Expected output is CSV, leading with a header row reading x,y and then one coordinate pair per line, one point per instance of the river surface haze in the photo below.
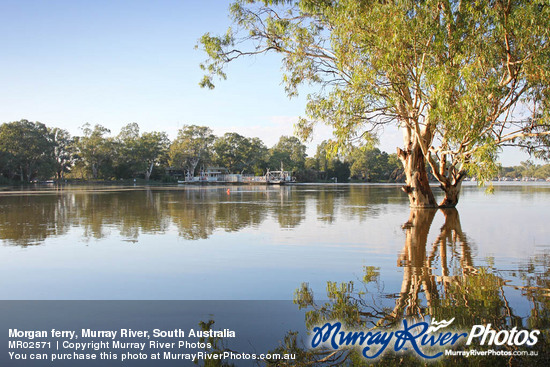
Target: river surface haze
x,y
265,242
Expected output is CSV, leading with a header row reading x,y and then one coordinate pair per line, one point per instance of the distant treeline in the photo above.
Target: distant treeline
x,y
526,170
31,151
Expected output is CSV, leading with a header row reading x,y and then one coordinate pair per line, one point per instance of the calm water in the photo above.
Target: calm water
x,y
359,246
262,243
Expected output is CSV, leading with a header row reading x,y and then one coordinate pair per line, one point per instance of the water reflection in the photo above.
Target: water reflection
x,y
268,239
419,263
28,218
196,213
441,282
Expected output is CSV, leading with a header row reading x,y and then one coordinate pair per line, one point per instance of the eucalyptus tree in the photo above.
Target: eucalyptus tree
x,y
94,148
26,150
289,152
322,156
229,152
142,152
258,156
238,153
460,79
153,151
126,145
192,146
331,166
63,150
373,165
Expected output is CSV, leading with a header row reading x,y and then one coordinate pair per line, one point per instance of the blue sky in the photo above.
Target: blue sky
x,y
68,62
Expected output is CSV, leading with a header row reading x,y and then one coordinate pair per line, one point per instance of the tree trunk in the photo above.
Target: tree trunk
x,y
149,171
452,192
191,169
417,184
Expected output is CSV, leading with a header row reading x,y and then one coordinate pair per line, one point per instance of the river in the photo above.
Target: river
x,y
488,261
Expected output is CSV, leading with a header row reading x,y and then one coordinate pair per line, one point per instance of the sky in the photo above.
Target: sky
x,y
112,62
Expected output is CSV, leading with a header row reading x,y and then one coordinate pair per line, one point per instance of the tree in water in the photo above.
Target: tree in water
x,y
460,80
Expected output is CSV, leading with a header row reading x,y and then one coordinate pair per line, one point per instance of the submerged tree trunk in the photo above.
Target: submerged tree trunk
x,y
452,193
450,177
451,187
417,183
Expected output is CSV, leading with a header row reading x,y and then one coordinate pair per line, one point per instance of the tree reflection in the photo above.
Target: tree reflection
x,y
131,212
440,282
29,220
536,289
200,212
240,211
326,206
288,210
193,214
196,212
415,272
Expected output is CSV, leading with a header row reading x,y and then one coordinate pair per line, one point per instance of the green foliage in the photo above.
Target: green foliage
x,y
30,151
448,73
240,154
214,347
139,154
132,154
64,148
373,165
527,170
26,151
96,151
366,164
192,147
330,166
289,153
